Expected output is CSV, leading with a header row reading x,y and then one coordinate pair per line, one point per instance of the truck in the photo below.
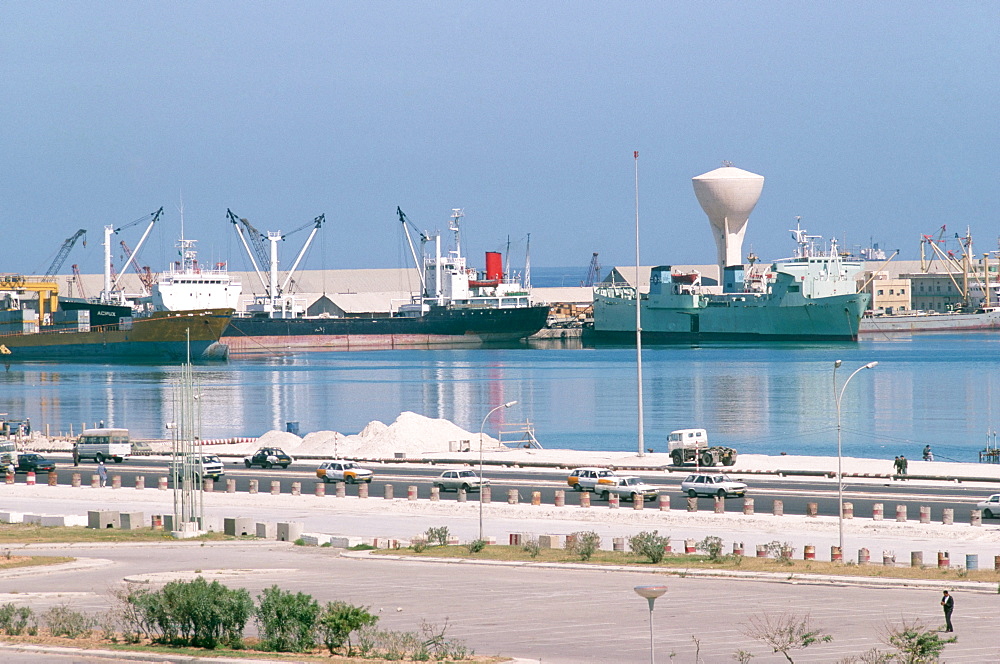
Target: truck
x,y
691,446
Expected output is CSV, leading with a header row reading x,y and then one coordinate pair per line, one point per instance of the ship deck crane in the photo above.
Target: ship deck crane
x,y
146,275
594,272
79,281
112,284
64,251
403,219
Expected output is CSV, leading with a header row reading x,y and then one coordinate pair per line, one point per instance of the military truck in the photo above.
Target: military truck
x,y
691,446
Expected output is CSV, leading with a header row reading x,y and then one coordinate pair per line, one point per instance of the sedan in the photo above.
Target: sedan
x,y
990,507
453,480
712,485
34,463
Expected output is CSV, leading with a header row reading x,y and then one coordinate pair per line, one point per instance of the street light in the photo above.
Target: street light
x,y
481,427
840,472
650,593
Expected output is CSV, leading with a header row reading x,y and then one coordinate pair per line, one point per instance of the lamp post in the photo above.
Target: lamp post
x,y
839,395
650,593
481,427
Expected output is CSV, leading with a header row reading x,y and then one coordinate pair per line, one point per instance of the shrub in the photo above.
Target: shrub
x,y
338,620
63,621
712,546
419,544
476,545
531,547
438,535
584,544
286,621
650,545
781,551
16,620
195,613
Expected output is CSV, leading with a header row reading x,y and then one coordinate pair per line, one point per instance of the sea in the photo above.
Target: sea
x,y
936,389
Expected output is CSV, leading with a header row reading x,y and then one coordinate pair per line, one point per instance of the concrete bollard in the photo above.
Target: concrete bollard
x,y
319,490
720,505
762,551
536,498
864,556
29,479
156,522
435,493
515,539
254,484
888,558
809,552
690,546
162,483
486,495
848,510
341,490
613,501
944,560
585,499
664,501
411,492
116,481
996,563
512,496
916,558
975,518
638,503
363,490
387,493
208,485
461,496
812,509
878,512
275,487
737,548
230,486
748,506
779,508
925,514
971,561
140,482
618,544
560,499
900,513
95,481
692,504
836,554
948,516
296,488
75,480
53,478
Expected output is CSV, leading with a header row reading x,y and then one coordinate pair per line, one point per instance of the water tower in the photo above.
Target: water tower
x,y
728,196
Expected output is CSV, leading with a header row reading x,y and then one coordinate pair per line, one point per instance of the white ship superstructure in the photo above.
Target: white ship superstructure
x,y
188,285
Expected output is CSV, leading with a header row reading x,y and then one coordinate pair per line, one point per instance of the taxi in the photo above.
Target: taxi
x,y
340,470
587,479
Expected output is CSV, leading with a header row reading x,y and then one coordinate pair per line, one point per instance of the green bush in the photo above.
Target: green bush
x,y
583,544
419,544
476,545
650,545
438,535
338,620
195,613
63,621
711,545
286,621
15,620
531,547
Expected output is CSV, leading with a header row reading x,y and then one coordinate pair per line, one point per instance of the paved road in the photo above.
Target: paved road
x,y
547,615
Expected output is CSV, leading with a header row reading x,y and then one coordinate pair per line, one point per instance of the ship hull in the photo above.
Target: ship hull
x,y
439,326
834,318
163,336
909,323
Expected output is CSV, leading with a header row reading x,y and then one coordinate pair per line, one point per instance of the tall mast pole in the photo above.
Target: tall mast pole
x,y
638,310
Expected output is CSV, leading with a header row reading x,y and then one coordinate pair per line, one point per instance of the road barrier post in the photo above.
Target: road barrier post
x,y
75,480
864,556
996,563
253,486
916,558
779,508
748,506
762,551
435,493
975,518
388,492
878,511
536,498
296,488
363,490
836,554
690,546
341,490
584,499
140,481
971,561
664,501
943,559
486,494
720,505
515,539
888,558
29,479
230,485
900,513
53,478
208,485
116,481
95,481
275,487
560,499
925,514
319,489
948,516
812,509
613,501
512,496
411,492
737,548
692,504
848,510
809,552
461,495
618,544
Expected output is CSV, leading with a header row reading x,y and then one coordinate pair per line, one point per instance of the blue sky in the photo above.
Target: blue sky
x,y
869,120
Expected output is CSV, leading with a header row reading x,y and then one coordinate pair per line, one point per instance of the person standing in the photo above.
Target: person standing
x,y
76,455
102,472
902,464
896,466
928,455
948,603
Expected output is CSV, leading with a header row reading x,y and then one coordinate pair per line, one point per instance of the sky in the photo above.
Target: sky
x,y
873,122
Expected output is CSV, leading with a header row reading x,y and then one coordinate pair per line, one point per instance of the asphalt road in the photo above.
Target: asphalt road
x,y
794,493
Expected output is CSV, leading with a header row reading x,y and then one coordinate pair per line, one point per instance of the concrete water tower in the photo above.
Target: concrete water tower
x,y
728,196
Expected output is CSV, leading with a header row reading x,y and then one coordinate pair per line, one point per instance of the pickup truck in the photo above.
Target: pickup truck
x,y
628,487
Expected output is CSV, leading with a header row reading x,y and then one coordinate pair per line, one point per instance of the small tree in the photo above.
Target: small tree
x,y
338,620
711,545
780,551
438,535
652,545
784,633
584,544
914,642
286,620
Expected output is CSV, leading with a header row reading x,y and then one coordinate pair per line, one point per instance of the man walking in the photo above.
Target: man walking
x,y
902,464
102,472
948,602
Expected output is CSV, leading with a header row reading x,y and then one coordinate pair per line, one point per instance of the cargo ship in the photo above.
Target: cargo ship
x,y
809,297
456,304
984,318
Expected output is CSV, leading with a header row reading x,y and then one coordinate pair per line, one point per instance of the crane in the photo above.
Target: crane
x,y
64,251
79,280
594,273
403,219
111,281
145,275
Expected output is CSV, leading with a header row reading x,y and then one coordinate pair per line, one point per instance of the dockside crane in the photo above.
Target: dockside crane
x,y
593,273
64,251
79,280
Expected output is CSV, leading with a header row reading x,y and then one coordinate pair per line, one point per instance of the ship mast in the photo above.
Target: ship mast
x,y
638,312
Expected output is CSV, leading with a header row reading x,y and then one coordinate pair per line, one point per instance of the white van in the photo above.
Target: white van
x,y
102,444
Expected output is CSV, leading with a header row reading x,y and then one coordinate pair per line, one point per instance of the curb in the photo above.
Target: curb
x,y
985,587
126,655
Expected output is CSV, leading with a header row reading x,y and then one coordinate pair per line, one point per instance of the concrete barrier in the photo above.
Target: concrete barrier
x,y
864,556
275,487
75,481
103,519
888,558
253,486
515,539
690,546
748,506
996,563
618,544
536,498
486,495
719,505
848,511
975,518
948,516
613,501
779,508
53,478
131,520
925,514
341,490
230,485
836,554
550,541
944,560
878,512
11,517
512,496
692,504
267,530
156,522
116,481
462,496
812,509
319,489
289,531
411,492
585,499
809,552
664,501
363,490
916,558
901,513
435,493
762,551
560,499
737,548
239,526
296,488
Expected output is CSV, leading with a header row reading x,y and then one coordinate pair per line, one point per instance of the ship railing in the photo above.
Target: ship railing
x,y
612,290
50,329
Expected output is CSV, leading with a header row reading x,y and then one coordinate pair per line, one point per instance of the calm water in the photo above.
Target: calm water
x,y
937,389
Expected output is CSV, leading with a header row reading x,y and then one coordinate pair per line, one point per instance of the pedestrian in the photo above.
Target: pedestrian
x,y
76,455
896,466
902,464
928,455
102,472
948,602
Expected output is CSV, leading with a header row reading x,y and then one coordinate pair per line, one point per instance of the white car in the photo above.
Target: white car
x,y
339,470
453,480
990,507
587,479
628,487
712,485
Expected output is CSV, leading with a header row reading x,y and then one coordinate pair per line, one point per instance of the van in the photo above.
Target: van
x,y
103,444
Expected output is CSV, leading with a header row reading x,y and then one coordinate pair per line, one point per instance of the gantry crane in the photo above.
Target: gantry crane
x,y
64,251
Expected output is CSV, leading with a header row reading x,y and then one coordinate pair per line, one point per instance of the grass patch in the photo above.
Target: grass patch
x,y
679,562
22,533
32,561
